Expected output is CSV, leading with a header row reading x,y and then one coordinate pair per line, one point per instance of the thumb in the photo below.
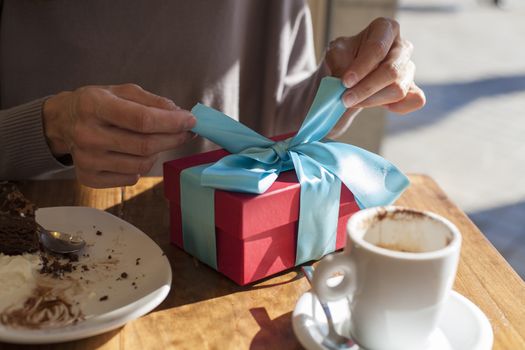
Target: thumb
x,y
339,55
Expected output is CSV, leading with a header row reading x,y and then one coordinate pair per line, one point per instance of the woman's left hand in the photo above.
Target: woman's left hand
x,y
375,66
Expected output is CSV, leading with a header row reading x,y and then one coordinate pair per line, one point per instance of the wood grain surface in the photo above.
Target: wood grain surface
x,y
205,310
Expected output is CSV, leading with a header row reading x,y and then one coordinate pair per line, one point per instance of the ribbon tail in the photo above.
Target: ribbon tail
x,y
326,110
318,209
373,180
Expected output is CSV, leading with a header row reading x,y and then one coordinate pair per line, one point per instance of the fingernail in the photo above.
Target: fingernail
x,y
190,123
350,80
349,99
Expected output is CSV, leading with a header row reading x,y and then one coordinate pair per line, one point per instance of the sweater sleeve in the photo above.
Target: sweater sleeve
x,y
24,152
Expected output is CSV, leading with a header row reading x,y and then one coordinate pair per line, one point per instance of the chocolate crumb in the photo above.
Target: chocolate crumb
x,y
124,275
109,257
105,297
71,257
137,261
54,267
85,268
98,233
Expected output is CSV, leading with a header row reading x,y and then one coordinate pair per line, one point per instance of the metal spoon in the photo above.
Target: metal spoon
x,y
60,242
333,341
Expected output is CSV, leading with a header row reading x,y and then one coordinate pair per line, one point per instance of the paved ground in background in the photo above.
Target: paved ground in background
x,y
470,137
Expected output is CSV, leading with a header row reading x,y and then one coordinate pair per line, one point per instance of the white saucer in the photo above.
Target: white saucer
x,y
462,326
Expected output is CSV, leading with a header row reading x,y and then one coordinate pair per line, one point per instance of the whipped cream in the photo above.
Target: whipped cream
x,y
17,278
30,300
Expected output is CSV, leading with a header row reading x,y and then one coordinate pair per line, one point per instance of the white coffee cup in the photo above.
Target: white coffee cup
x,y
398,268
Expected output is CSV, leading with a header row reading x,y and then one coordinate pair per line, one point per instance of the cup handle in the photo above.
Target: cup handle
x,y
327,267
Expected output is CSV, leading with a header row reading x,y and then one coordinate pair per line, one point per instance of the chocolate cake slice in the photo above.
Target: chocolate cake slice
x,y
18,235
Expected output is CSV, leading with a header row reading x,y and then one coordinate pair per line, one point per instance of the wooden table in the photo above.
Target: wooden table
x,y
205,310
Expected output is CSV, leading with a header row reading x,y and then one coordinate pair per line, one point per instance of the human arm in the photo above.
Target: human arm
x,y
112,134
24,152
376,67
378,56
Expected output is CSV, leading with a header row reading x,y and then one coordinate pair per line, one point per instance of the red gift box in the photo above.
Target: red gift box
x,y
256,235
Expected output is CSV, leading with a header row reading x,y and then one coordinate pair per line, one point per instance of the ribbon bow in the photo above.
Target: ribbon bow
x,y
256,161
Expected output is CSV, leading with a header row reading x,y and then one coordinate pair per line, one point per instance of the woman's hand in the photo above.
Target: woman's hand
x,y
113,133
376,68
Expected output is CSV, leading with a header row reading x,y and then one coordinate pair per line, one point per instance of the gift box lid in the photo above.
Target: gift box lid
x,y
246,215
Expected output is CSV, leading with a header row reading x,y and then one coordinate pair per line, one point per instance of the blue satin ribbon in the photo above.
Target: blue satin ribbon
x,y
256,161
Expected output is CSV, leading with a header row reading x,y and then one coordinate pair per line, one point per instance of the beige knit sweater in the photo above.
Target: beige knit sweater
x,y
252,59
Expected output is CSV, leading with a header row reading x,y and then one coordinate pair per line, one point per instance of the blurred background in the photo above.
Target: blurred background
x,y
470,137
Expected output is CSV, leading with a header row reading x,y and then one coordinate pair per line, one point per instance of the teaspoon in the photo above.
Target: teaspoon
x,y
60,242
333,340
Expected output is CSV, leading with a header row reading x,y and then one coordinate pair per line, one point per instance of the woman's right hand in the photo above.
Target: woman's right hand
x,y
113,133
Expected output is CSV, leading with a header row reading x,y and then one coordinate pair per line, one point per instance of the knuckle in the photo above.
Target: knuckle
x,y
144,121
378,48
398,91
132,87
392,70
84,100
394,24
161,101
146,147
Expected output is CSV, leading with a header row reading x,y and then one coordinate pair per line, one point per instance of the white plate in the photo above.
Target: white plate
x,y
462,326
125,301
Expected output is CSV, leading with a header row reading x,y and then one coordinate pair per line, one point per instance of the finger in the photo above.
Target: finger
x,y
381,35
414,100
394,92
113,162
105,179
142,119
341,51
135,93
391,69
109,138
